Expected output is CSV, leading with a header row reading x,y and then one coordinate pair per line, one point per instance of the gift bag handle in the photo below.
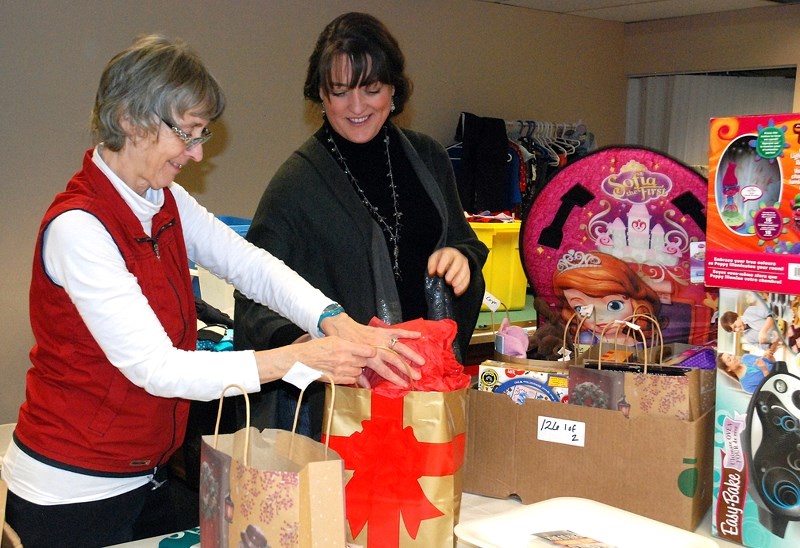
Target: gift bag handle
x,y
616,325
330,415
247,418
630,323
657,336
246,458
491,313
641,311
576,338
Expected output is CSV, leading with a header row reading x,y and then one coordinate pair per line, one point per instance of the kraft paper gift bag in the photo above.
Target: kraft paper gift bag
x,y
636,379
403,449
269,489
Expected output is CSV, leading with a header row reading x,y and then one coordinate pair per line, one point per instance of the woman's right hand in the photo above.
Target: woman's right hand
x,y
342,360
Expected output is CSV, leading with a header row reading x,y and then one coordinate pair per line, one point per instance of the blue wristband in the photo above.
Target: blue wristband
x,y
329,311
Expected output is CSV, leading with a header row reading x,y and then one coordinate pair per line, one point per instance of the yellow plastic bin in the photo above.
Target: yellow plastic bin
x,y
505,278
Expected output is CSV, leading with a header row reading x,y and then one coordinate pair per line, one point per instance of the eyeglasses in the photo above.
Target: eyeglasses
x,y
187,139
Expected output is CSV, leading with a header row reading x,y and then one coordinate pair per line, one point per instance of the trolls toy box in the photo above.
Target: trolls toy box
x,y
753,232
756,497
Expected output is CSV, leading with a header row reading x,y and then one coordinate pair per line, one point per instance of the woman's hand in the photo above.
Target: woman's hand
x,y
387,343
450,264
344,361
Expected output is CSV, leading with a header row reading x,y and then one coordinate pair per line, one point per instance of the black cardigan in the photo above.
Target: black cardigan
x,y
311,218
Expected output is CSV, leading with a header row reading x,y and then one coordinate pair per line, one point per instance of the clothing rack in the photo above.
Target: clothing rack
x,y
545,147
557,140
519,128
506,162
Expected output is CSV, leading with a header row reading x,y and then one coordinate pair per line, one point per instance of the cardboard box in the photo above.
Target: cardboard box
x,y
656,467
503,273
753,227
756,471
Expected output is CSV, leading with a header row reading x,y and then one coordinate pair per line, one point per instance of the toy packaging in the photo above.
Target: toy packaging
x,y
522,384
756,498
753,233
614,232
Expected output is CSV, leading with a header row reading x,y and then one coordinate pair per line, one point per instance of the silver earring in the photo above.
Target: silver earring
x,y
323,112
392,107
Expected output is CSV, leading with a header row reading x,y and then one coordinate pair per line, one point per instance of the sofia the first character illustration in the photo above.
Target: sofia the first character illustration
x,y
603,289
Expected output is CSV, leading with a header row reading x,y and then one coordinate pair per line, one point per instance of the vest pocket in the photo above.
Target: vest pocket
x,y
111,404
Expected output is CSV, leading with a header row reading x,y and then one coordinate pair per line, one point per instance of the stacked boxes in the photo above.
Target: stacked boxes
x,y
753,253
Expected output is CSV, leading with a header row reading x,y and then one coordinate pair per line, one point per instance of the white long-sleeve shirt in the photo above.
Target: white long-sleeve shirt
x,y
110,302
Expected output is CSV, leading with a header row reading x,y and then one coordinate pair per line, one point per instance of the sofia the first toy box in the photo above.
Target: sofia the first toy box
x,y
614,234
753,232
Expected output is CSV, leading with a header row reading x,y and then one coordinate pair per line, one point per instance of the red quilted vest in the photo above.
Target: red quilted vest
x,y
80,411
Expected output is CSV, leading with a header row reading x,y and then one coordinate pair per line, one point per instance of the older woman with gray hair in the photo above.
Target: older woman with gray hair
x,y
112,309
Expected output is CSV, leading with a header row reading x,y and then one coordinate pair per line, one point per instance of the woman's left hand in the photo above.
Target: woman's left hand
x,y
391,350
450,264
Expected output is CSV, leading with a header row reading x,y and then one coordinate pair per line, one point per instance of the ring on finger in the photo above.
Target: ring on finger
x,y
392,342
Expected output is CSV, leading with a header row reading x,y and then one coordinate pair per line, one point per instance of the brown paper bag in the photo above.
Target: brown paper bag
x,y
272,488
635,379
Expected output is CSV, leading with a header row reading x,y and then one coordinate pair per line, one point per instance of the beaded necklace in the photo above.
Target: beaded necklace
x,y
392,232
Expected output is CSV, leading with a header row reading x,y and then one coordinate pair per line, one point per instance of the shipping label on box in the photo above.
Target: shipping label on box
x,y
753,229
522,384
757,438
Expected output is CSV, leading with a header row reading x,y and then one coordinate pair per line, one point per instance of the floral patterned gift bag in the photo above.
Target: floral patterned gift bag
x,y
637,380
270,489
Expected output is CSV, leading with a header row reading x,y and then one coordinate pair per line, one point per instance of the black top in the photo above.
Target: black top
x,y
420,222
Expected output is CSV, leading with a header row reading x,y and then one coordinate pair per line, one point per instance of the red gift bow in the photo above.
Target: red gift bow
x,y
388,461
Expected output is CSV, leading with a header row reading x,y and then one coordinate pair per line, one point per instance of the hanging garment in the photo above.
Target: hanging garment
x,y
483,174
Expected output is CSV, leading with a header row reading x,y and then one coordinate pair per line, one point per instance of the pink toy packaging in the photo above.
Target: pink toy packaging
x,y
614,232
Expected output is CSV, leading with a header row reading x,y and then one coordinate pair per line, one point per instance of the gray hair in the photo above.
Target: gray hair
x,y
154,78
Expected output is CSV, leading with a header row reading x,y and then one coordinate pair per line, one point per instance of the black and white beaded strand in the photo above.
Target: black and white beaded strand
x,y
393,233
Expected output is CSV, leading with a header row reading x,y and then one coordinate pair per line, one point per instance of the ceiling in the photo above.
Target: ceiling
x,y
631,11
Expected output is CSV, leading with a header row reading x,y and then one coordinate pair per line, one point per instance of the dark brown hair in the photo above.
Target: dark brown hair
x,y
727,319
373,52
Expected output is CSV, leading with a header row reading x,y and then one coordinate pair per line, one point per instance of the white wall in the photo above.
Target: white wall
x,y
463,55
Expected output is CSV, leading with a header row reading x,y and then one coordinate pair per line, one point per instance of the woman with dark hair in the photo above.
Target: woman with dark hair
x,y
748,369
113,314
365,210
